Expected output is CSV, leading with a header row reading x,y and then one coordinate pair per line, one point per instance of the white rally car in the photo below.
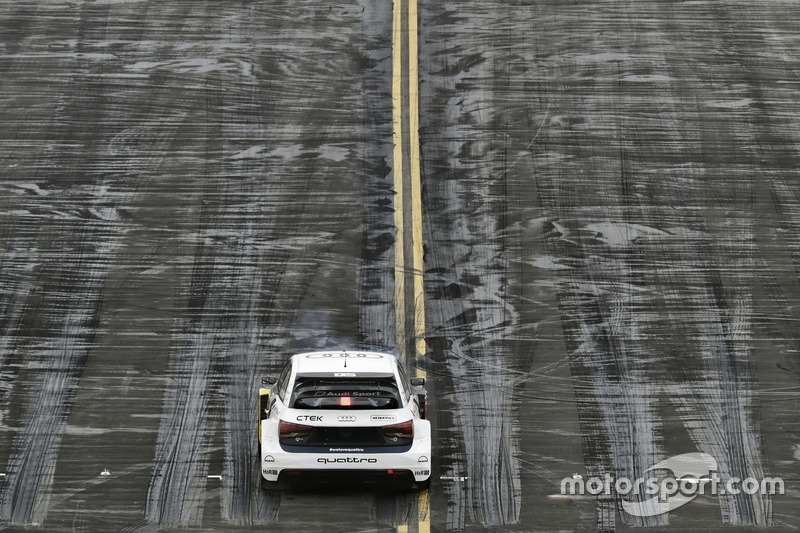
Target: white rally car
x,y
336,417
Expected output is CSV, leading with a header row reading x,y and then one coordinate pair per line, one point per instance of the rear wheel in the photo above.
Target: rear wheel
x,y
272,485
421,485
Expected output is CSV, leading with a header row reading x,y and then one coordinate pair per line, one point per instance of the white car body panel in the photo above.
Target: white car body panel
x,y
275,457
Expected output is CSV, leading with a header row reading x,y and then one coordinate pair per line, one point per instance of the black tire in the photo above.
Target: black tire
x,y
421,485
272,485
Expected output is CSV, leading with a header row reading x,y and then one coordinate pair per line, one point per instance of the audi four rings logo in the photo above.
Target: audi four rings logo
x,y
344,354
346,418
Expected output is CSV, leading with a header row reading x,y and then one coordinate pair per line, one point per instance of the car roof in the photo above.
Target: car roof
x,y
335,361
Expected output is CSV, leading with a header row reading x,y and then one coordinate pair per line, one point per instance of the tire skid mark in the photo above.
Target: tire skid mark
x,y
71,292
600,294
245,282
218,361
768,140
176,494
258,294
209,361
25,14
255,255
16,293
179,464
144,144
611,315
478,349
66,270
241,483
376,321
22,176
776,144
781,330
81,296
728,430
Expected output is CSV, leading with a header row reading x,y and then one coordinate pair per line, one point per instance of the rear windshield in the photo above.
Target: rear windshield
x,y
352,393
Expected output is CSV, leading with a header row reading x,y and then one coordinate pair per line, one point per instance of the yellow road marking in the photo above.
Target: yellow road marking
x,y
417,264
416,183
424,512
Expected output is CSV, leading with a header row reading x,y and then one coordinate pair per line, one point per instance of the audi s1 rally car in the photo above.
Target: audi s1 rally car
x,y
340,417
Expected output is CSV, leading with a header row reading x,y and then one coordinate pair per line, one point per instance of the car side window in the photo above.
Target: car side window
x,y
283,381
404,384
285,388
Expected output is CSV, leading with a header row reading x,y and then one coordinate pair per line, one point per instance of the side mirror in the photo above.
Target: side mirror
x,y
268,381
418,384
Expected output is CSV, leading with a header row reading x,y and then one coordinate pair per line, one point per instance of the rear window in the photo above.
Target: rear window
x,y
350,393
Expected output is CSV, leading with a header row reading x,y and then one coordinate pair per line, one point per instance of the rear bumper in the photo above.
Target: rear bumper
x,y
414,464
334,479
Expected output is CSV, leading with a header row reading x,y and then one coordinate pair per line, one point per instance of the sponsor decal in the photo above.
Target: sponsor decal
x,y
309,418
337,394
351,450
346,418
344,354
349,460
270,472
422,472
345,374
383,418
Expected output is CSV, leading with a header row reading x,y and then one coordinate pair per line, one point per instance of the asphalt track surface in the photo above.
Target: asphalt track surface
x,y
192,190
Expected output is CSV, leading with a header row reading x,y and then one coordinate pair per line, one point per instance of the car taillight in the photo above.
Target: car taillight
x,y
404,430
290,430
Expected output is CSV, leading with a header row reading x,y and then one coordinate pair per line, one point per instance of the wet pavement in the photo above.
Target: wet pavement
x,y
191,191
